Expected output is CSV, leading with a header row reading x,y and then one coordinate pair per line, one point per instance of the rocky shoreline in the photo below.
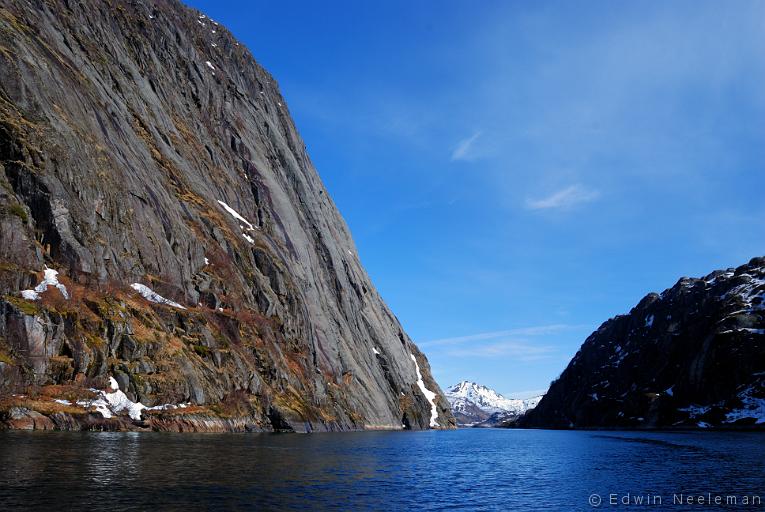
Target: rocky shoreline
x,y
22,418
195,419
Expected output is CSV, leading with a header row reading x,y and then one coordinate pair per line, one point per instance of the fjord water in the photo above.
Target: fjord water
x,y
463,469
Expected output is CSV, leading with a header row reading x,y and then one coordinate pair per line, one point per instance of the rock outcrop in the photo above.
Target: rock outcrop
x,y
693,356
162,224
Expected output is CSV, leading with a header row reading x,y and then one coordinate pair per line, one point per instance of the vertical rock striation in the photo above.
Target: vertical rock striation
x,y
146,157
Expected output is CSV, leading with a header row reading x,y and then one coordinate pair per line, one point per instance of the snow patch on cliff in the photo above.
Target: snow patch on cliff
x,y
753,407
168,407
109,404
236,215
431,396
152,296
50,279
696,410
752,292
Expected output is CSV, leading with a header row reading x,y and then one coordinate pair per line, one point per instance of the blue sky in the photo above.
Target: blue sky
x,y
516,173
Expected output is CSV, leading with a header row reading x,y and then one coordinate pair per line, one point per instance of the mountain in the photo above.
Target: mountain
x,y
692,356
169,257
476,405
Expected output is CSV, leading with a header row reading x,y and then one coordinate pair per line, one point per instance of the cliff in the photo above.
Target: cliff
x,y
162,225
692,356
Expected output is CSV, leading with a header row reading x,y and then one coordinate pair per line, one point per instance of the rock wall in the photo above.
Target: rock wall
x,y
140,142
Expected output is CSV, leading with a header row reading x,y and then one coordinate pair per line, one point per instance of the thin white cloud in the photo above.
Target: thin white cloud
x,y
516,349
539,330
530,393
462,151
564,198
512,343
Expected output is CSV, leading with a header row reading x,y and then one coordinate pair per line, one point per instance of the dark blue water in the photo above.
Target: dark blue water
x,y
457,470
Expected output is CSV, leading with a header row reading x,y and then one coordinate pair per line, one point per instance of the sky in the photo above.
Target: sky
x,y
516,173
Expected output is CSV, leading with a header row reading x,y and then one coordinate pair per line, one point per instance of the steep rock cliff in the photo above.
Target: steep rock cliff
x,y
149,160
692,356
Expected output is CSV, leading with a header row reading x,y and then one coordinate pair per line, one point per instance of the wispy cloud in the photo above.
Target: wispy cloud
x,y
516,349
539,330
564,198
522,344
463,149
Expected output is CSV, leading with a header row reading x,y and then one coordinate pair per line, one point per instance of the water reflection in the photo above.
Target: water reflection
x,y
469,469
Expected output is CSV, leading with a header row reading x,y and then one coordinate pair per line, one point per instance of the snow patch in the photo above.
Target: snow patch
x,y
753,407
209,65
649,321
619,355
747,329
749,292
109,404
431,396
696,410
50,279
374,349
168,407
152,296
236,215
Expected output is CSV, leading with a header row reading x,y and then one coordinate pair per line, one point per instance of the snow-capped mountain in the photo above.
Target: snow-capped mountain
x,y
474,404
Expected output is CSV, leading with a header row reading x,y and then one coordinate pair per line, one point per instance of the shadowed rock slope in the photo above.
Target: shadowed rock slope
x,y
693,356
141,144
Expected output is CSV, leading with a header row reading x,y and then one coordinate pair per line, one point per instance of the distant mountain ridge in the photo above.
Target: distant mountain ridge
x,y
477,405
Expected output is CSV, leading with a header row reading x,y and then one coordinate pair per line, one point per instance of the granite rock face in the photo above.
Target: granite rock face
x,y
692,356
140,143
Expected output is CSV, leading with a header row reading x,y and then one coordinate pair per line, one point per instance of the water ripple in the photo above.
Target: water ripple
x,y
459,470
